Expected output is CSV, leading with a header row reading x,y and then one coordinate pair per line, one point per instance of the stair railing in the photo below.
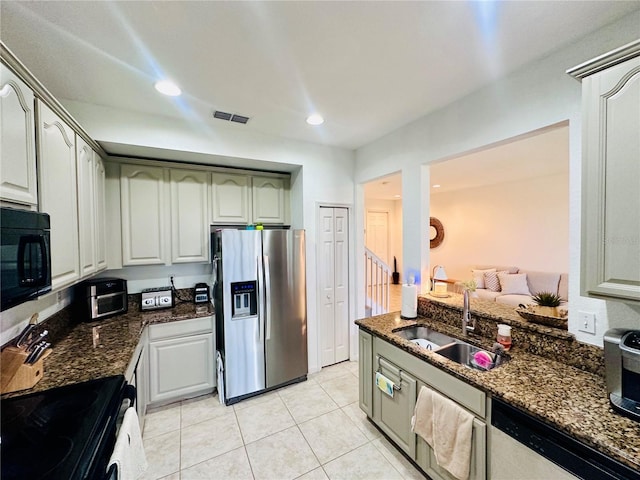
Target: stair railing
x,y
377,277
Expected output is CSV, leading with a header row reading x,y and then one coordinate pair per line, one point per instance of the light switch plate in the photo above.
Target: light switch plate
x,y
587,322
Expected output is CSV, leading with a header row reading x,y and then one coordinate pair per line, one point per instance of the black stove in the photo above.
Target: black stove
x,y
62,433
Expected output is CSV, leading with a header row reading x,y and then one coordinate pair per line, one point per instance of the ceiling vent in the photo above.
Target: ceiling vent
x,y
230,117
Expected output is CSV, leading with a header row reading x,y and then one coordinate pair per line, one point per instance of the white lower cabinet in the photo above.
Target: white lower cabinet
x,y
137,374
365,392
181,359
393,414
426,459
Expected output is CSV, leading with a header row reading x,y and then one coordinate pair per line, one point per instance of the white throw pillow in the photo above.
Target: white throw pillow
x,y
491,281
515,284
478,276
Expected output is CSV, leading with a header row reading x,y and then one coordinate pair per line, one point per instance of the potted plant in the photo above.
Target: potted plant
x,y
547,303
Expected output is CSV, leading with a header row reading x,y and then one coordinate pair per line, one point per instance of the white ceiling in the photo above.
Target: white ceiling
x,y
539,154
368,67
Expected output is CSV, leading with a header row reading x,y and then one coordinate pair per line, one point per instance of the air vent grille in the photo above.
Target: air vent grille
x,y
230,117
222,115
239,119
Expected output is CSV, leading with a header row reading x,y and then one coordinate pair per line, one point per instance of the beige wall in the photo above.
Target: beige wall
x,y
524,223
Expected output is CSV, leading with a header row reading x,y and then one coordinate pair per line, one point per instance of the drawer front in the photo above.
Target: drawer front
x,y
180,328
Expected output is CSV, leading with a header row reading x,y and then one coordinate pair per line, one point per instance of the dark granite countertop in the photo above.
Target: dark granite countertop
x,y
571,399
75,358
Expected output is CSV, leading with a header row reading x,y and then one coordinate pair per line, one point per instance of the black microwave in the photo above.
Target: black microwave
x,y
25,256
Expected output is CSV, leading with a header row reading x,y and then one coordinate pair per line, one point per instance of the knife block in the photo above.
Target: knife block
x,y
17,375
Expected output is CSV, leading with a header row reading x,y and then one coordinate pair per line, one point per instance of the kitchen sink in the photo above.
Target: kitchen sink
x,y
465,354
424,337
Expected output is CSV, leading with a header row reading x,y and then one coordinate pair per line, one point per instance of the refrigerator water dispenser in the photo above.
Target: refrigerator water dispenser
x,y
244,300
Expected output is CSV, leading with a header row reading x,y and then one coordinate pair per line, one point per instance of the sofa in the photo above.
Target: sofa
x,y
511,286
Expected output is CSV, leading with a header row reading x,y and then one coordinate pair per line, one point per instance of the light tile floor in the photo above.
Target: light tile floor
x,y
310,430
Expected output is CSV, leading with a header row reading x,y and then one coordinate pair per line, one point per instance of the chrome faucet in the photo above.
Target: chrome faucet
x,y
466,314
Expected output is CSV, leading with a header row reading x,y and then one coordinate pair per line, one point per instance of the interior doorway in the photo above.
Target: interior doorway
x,y
332,253
377,233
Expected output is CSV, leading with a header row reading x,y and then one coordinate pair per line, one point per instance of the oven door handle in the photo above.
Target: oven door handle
x,y
129,393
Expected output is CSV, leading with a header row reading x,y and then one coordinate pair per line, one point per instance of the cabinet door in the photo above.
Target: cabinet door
x,y
426,459
142,385
180,367
365,373
230,199
268,200
100,213
18,140
189,219
393,414
143,197
611,175
86,207
57,176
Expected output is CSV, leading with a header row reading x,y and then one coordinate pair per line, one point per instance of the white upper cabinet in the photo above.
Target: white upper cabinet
x,y
91,209
57,184
230,199
101,213
269,206
18,143
189,216
145,225
86,207
611,174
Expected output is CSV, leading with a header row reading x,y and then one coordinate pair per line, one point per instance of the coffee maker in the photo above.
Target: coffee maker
x,y
622,369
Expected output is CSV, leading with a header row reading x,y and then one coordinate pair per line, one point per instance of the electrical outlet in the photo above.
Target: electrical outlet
x,y
59,296
587,322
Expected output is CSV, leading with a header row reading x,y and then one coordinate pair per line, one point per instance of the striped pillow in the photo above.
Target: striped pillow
x,y
491,281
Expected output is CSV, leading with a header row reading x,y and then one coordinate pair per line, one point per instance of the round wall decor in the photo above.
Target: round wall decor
x,y
437,232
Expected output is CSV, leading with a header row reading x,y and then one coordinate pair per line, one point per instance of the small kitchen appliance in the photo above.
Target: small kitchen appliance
x,y
201,293
156,298
622,368
26,256
101,298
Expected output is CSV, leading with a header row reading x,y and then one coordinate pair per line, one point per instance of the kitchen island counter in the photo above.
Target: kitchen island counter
x,y
572,400
86,351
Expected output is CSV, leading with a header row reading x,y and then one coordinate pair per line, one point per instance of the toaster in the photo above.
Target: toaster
x,y
622,370
156,298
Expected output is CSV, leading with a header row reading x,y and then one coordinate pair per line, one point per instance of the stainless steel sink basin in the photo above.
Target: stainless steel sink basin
x,y
425,337
463,353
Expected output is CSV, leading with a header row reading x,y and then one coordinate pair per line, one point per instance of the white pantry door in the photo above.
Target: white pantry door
x,y
333,285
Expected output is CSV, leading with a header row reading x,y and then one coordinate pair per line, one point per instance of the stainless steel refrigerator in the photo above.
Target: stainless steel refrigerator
x,y
260,304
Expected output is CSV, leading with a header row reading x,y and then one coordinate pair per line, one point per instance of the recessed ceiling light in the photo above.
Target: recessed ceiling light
x,y
167,87
437,185
315,119
396,196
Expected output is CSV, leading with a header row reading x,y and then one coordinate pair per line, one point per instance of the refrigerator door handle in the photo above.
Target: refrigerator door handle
x,y
267,291
261,298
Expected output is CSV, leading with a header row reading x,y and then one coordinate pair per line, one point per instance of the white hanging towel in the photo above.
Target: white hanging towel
x,y
447,428
128,453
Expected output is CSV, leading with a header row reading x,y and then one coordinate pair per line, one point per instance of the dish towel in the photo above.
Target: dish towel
x,y
128,453
447,428
384,384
